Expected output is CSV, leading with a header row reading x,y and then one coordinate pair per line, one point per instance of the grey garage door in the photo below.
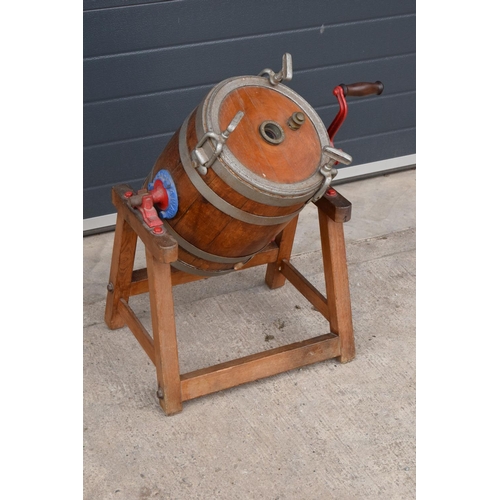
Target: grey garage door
x,y
147,64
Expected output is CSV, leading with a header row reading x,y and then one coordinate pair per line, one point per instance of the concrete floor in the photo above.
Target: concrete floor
x,y
327,431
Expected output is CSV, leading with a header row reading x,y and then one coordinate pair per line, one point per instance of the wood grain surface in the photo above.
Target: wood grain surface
x,y
294,160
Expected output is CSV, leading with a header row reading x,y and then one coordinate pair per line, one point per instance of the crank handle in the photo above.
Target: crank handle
x,y
362,89
341,91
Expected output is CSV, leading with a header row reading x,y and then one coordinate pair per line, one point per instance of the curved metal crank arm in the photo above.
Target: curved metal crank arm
x,y
341,91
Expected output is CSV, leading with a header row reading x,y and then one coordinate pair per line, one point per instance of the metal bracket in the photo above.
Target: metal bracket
x,y
333,157
145,203
199,158
284,75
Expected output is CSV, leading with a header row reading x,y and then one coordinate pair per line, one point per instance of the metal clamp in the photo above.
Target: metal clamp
x,y
199,157
328,170
284,75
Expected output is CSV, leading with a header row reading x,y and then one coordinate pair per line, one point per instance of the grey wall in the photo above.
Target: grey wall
x,y
147,64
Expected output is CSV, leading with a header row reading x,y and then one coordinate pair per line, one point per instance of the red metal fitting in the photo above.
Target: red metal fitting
x,y
159,201
145,202
148,211
160,195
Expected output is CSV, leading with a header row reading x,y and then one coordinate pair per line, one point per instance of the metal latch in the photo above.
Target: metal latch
x,y
199,157
284,75
332,156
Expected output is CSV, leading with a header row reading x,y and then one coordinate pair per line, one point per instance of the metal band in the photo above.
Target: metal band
x,y
182,266
197,252
229,169
214,198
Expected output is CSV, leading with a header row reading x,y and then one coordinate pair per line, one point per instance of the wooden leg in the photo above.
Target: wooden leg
x,y
120,276
284,240
161,251
164,334
337,284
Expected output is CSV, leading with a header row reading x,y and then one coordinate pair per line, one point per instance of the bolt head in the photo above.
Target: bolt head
x,y
299,118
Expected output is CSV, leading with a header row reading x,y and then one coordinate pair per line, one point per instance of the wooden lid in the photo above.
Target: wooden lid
x,y
264,151
274,152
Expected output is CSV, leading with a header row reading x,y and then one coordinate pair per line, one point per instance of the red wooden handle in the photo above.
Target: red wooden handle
x,y
362,88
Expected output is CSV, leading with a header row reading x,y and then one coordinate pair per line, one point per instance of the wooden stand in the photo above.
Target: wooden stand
x,y
159,277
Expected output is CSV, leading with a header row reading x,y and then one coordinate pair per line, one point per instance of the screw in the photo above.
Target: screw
x,y
110,287
158,230
159,393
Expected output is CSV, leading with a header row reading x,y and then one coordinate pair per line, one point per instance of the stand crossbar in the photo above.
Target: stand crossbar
x,y
158,278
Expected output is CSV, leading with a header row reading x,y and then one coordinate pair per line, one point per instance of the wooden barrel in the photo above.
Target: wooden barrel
x,y
266,172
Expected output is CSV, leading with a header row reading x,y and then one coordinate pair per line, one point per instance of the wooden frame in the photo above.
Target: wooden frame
x,y
159,277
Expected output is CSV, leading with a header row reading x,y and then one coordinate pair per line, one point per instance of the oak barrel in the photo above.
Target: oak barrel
x,y
258,178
